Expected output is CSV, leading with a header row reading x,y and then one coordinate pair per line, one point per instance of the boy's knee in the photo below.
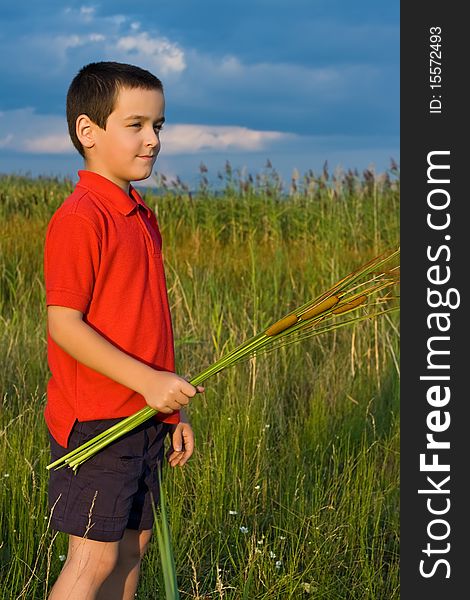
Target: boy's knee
x,y
106,565
95,560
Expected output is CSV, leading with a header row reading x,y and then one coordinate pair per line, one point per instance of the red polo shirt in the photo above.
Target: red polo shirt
x,y
102,256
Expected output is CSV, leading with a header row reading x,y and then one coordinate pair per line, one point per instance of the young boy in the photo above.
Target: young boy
x,y
110,341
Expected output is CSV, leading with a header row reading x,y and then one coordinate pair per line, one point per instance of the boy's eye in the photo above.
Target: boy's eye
x,y
158,127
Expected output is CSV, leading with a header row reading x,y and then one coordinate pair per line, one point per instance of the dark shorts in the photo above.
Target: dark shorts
x,y
112,491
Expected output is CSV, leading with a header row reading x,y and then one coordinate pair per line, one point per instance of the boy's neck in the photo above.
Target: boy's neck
x,y
124,185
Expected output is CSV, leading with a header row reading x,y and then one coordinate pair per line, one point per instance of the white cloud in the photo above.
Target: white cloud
x,y
63,42
164,56
96,37
49,144
230,65
23,130
113,38
117,19
181,139
87,12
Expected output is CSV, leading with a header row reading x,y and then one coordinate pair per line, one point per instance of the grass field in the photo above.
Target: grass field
x,y
293,491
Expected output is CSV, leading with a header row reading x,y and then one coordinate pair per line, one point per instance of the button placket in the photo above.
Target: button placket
x,y
146,227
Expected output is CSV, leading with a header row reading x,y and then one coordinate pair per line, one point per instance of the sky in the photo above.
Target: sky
x,y
296,82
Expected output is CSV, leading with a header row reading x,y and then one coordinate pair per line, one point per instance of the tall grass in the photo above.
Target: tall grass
x,y
293,488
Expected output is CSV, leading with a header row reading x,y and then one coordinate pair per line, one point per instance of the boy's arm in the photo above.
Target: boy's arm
x,y
162,390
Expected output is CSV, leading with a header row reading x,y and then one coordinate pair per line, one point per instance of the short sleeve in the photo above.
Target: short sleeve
x,y
71,261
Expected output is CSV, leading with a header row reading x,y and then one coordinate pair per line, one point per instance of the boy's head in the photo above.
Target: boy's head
x,y
95,88
115,112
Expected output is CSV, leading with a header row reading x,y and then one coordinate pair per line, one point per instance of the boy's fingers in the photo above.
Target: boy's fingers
x,y
175,460
177,441
174,404
182,401
179,458
193,389
176,457
184,460
171,454
188,389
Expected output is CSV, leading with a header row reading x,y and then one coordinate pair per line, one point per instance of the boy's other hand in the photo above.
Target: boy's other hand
x,y
166,392
182,444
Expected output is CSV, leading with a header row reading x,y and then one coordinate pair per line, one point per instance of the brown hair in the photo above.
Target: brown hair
x,y
94,90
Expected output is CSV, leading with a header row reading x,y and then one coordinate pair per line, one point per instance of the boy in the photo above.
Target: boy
x,y
110,341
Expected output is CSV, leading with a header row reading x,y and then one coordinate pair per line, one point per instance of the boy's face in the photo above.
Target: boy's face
x,y
127,149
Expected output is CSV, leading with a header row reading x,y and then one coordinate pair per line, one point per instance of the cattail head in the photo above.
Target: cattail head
x,y
319,308
281,325
350,305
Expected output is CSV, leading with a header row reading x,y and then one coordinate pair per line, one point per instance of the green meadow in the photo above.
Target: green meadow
x,y
293,490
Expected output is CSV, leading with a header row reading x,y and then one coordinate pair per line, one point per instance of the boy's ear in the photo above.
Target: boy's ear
x,y
84,128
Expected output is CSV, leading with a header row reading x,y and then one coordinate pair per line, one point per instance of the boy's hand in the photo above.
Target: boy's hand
x,y
166,392
182,444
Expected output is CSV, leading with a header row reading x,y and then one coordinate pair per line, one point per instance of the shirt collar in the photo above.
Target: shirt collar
x,y
105,188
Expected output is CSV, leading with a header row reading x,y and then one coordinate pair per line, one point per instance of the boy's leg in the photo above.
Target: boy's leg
x,y
109,497
88,565
122,582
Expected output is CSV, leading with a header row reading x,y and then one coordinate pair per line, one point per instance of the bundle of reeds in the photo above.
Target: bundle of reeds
x,y
363,294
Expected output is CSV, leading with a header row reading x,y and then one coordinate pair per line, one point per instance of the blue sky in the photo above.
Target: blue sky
x,y
297,82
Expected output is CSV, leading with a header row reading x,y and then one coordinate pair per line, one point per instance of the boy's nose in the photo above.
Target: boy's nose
x,y
153,139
